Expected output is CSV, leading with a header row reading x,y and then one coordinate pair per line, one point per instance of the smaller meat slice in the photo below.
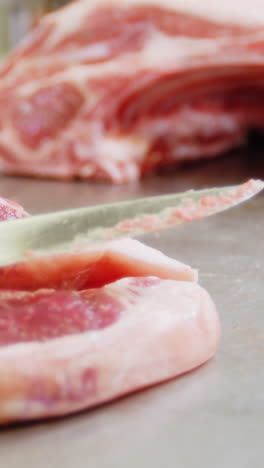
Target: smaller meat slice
x,y
123,337
93,267
11,210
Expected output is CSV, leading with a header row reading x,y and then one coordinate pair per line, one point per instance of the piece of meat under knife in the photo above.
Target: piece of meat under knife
x,y
143,320
92,266
63,351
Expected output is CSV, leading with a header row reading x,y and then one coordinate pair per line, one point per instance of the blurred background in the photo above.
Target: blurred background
x,y
16,16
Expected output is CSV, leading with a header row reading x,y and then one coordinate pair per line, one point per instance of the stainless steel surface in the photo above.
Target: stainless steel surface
x,y
42,196
61,229
210,418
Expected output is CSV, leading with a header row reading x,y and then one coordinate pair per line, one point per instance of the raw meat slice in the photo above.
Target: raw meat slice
x,y
92,267
64,347
112,89
11,210
157,329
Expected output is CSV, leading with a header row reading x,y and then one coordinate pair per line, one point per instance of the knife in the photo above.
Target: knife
x,y
64,230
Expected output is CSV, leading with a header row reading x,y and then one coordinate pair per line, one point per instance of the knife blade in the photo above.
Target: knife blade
x,y
60,231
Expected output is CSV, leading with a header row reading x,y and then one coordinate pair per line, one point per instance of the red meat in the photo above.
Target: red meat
x,y
112,89
11,210
64,351
117,317
83,327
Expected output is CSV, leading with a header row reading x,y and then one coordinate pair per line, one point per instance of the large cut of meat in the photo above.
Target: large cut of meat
x,y
86,326
112,89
